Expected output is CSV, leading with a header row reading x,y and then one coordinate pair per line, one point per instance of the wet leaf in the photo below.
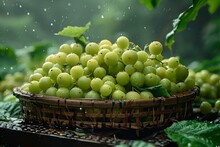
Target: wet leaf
x,y
9,109
194,133
183,19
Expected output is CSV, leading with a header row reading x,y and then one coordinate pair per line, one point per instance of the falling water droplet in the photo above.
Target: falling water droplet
x,y
45,9
129,8
69,4
33,30
20,6
99,7
102,16
11,68
145,28
28,13
51,24
7,13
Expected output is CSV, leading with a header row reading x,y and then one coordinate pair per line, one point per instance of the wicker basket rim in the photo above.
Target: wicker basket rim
x,y
27,96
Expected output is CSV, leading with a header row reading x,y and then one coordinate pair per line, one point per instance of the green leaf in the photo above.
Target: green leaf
x,y
157,91
74,31
78,133
150,4
9,109
194,134
136,143
183,19
213,5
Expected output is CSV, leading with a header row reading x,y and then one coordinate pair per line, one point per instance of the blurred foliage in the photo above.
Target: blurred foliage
x,y
212,65
8,61
25,59
22,24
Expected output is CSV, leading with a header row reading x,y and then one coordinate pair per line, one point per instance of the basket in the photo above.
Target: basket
x,y
113,114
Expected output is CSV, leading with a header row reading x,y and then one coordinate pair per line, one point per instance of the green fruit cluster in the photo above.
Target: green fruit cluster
x,y
209,84
10,81
107,70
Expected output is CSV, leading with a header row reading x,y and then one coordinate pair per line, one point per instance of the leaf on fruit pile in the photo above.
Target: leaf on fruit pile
x,y
183,19
76,32
194,133
157,91
150,4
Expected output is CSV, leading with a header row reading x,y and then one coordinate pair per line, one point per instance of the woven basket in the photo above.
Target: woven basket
x,y
114,114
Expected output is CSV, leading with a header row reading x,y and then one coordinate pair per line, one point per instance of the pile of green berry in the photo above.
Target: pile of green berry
x,y
10,81
209,84
107,70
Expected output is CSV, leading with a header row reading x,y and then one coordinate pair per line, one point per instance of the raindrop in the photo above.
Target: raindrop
x,y
45,9
11,68
20,6
28,13
129,8
7,13
69,4
99,7
51,24
33,30
3,3
102,16
25,28
145,28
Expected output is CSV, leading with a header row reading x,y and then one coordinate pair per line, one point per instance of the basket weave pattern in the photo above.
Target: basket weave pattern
x,y
120,114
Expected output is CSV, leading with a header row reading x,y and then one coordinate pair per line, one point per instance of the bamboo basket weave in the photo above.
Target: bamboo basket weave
x,y
114,114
